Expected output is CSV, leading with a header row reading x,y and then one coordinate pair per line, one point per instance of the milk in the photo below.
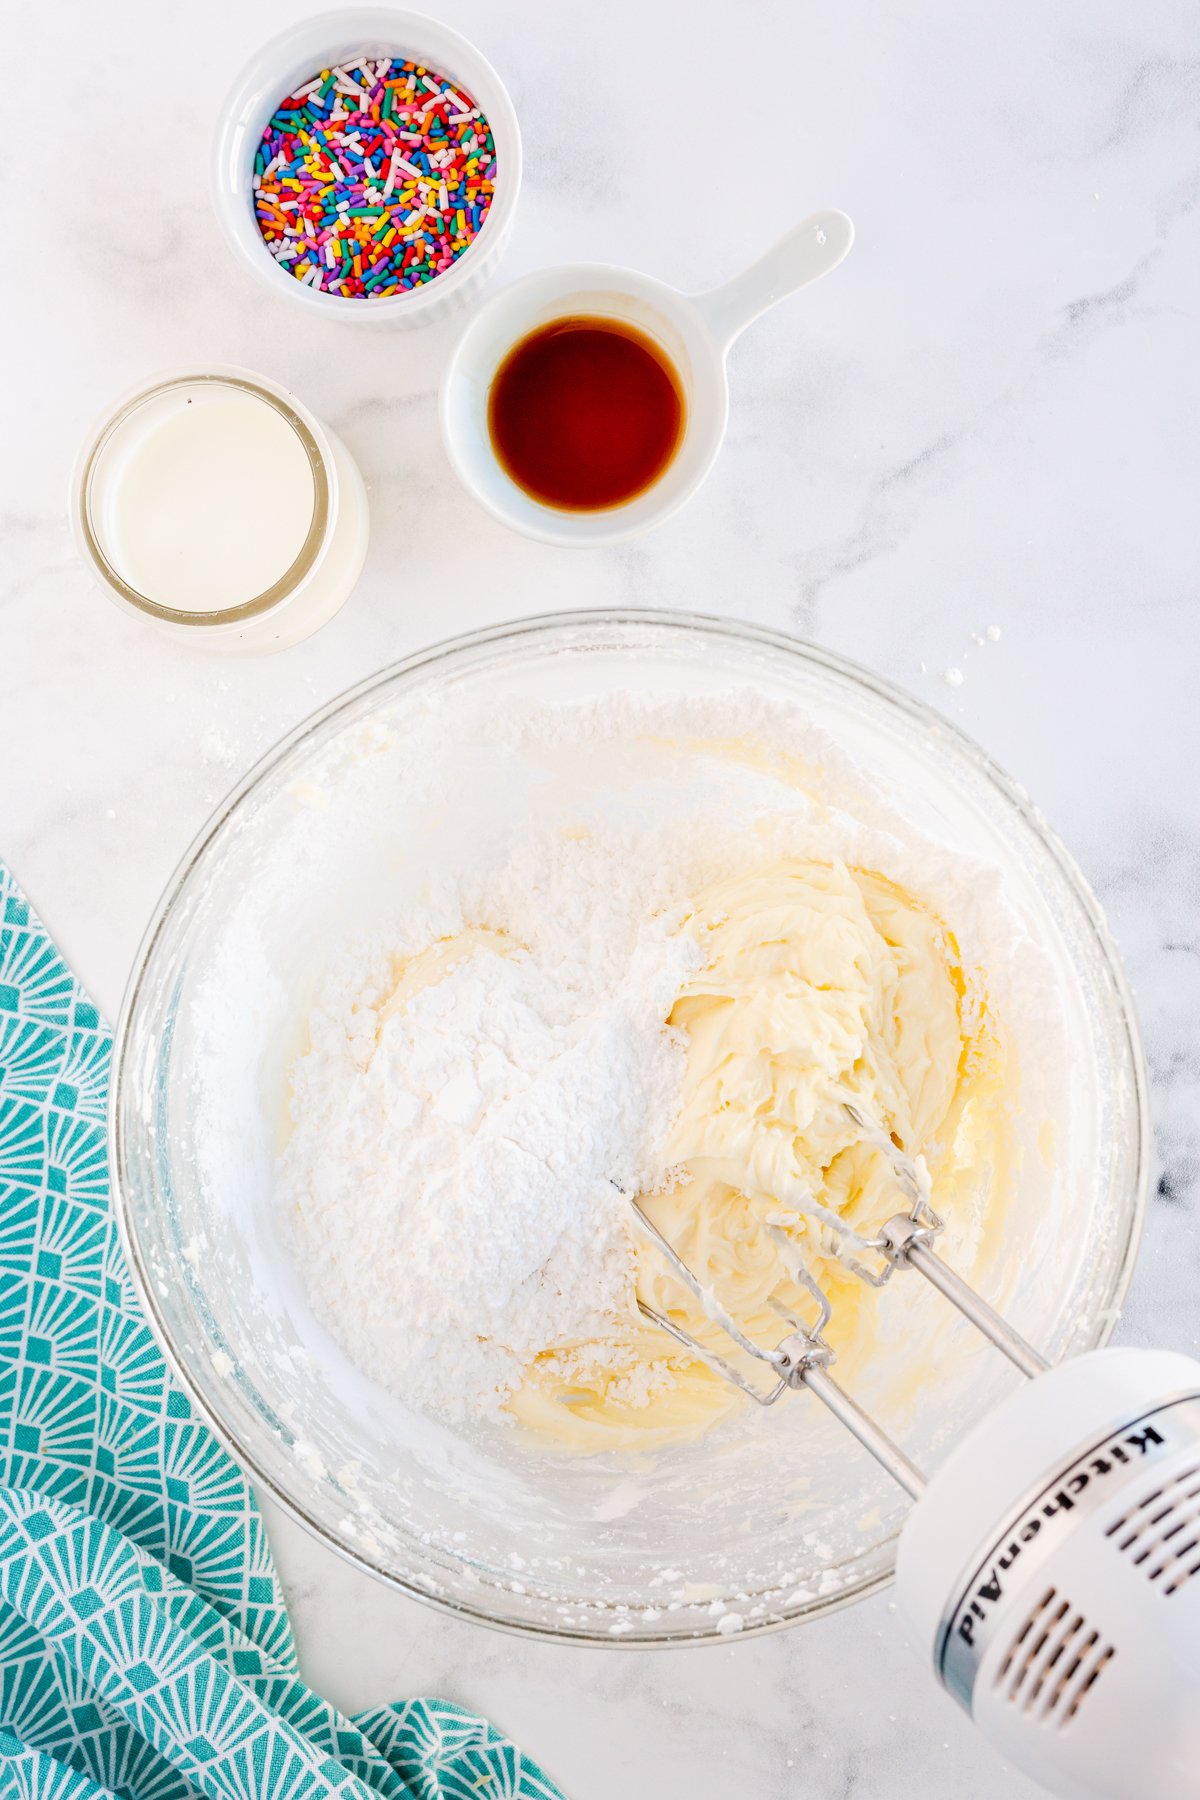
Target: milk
x,y
215,491
207,499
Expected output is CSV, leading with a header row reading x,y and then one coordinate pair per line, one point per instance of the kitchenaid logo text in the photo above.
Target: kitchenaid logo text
x,y
1127,1447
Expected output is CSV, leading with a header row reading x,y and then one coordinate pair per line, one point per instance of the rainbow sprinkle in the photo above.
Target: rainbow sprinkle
x,y
373,178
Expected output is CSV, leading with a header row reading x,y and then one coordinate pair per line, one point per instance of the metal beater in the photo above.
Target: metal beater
x,y
802,1357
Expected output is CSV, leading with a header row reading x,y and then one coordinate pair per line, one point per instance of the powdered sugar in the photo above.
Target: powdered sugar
x,y
470,1113
488,1070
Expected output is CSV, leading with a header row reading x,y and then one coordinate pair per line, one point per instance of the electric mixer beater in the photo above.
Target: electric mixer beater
x,y
1048,1564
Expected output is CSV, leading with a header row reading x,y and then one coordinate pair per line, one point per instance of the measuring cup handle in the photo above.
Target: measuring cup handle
x,y
808,251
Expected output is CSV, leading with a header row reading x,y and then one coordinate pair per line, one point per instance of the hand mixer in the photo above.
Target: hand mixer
x,y
1052,1564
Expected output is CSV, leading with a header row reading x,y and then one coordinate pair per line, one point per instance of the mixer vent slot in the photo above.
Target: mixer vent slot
x,y
1053,1661
1161,1534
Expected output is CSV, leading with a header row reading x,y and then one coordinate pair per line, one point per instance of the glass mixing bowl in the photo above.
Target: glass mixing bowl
x,y
771,1518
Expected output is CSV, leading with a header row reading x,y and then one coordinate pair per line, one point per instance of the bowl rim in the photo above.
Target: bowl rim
x,y
227,159
550,624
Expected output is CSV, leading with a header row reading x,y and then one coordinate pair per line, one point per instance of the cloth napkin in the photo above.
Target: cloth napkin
x,y
145,1650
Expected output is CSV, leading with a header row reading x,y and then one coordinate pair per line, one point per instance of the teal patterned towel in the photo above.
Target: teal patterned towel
x,y
145,1651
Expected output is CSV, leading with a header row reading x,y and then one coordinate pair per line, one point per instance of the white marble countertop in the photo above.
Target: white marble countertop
x,y
987,417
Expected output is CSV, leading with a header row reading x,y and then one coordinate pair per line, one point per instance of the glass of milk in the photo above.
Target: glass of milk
x,y
216,505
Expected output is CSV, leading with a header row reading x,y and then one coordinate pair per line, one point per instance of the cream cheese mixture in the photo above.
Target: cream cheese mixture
x,y
670,991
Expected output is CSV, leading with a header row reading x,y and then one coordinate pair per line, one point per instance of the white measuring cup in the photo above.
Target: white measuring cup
x,y
694,330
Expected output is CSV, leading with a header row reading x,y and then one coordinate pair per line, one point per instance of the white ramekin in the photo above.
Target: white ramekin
x,y
293,57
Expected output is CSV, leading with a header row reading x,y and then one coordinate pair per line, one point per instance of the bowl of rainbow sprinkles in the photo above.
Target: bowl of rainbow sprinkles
x,y
367,164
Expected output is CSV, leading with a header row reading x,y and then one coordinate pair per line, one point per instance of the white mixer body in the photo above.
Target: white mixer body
x,y
1052,1571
